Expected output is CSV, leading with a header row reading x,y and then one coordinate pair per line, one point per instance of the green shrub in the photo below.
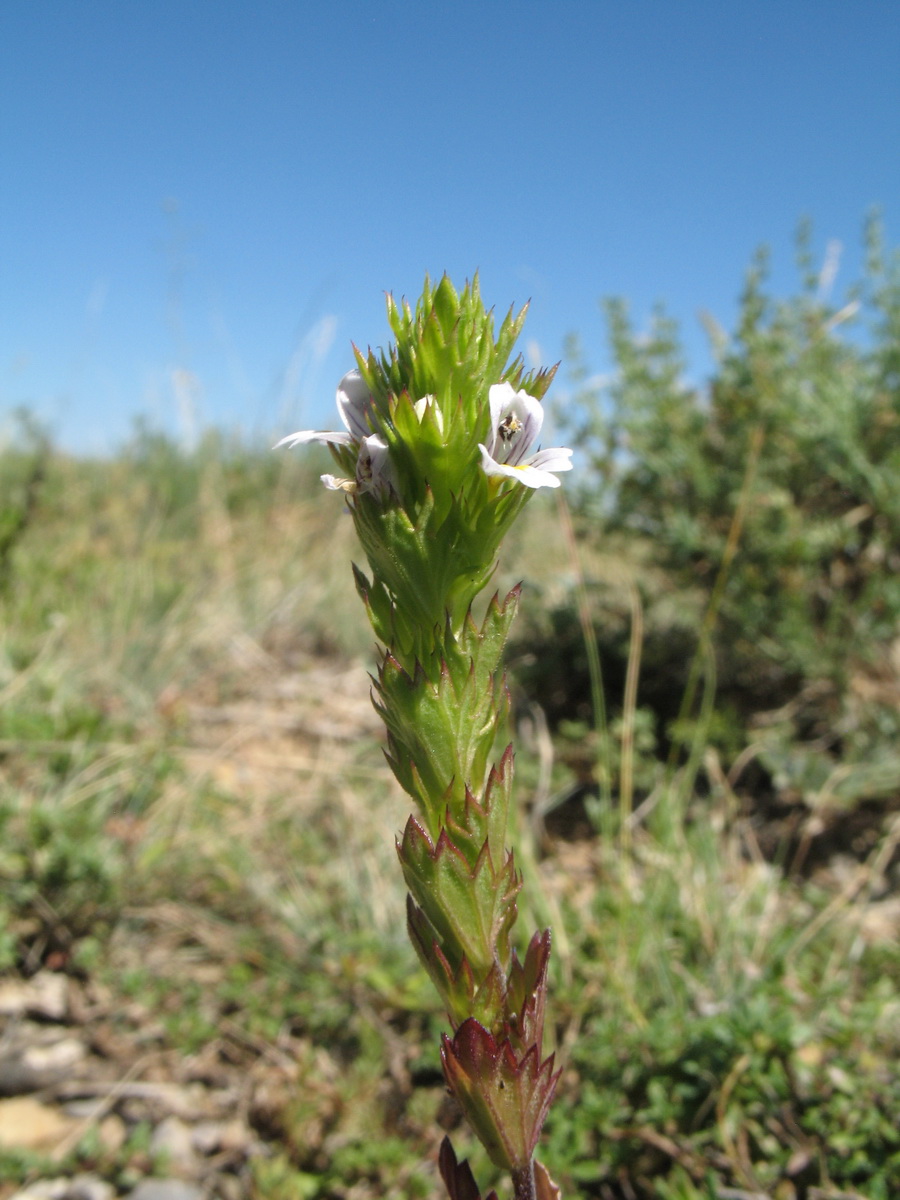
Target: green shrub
x,y
772,494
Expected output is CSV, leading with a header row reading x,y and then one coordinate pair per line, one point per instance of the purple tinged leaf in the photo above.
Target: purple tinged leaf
x,y
527,992
458,1176
504,1097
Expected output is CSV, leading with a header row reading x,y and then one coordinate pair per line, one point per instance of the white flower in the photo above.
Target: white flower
x,y
354,403
373,464
516,420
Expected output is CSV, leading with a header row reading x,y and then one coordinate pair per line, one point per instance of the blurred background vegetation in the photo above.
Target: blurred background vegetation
x,y
706,682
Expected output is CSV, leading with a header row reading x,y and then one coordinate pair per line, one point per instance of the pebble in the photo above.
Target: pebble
x,y
165,1189
26,1124
30,1061
194,1129
174,1139
229,1187
211,1137
80,1187
113,1133
44,995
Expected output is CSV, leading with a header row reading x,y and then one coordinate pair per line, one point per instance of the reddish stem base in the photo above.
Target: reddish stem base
x,y
523,1182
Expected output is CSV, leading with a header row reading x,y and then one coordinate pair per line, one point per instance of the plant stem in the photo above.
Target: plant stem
x,y
629,709
523,1182
735,530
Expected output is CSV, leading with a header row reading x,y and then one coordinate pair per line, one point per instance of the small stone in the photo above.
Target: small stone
x,y
28,1068
211,1137
165,1189
55,1058
13,998
26,1124
172,1138
49,996
89,1187
206,1137
229,1187
880,921
45,995
83,1110
113,1133
43,1189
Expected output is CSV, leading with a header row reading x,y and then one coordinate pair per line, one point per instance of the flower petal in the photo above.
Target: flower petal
x,y
526,474
355,403
373,466
554,459
500,396
516,420
305,436
335,484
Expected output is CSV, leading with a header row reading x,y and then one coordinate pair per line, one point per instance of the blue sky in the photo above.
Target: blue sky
x,y
202,203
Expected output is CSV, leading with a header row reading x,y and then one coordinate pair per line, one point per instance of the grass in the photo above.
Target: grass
x,y
194,812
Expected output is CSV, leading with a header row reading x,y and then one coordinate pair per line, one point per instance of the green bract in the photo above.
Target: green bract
x,y
432,477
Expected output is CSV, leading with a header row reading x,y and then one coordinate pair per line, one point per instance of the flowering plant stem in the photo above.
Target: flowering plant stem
x,y
523,1182
436,462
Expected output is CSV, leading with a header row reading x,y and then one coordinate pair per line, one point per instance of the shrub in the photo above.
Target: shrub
x,y
773,490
